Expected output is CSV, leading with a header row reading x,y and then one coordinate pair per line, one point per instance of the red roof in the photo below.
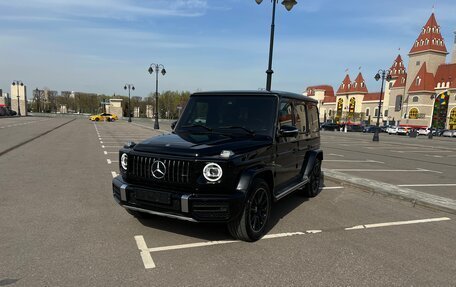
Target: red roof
x,y
329,99
329,91
400,81
423,81
372,97
359,86
430,38
397,68
345,86
445,74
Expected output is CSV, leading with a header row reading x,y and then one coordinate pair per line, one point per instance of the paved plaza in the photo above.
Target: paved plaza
x,y
61,227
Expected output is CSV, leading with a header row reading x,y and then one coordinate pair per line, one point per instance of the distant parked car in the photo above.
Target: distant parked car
x,y
370,129
330,127
104,117
6,112
391,130
355,128
449,133
403,131
424,131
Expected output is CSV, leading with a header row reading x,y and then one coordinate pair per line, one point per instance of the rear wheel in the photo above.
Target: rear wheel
x,y
312,188
251,224
97,119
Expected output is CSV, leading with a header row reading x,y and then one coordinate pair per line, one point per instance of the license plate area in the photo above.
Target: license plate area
x,y
153,196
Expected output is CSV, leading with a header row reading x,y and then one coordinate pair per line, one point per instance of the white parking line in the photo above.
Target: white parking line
x,y
332,187
149,263
428,184
114,174
145,254
387,170
334,154
419,151
347,160
376,225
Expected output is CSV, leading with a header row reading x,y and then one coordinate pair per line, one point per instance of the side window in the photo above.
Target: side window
x,y
300,116
285,113
312,117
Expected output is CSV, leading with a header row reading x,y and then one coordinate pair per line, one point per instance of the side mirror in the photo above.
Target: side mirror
x,y
173,124
288,131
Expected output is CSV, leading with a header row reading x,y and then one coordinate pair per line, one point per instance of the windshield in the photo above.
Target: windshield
x,y
231,115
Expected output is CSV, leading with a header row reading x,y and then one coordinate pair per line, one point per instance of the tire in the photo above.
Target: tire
x,y
252,223
97,119
312,188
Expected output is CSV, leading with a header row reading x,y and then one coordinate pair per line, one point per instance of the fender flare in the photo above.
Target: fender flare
x,y
309,161
248,175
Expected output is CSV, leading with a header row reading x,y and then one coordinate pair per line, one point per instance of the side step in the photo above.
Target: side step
x,y
291,188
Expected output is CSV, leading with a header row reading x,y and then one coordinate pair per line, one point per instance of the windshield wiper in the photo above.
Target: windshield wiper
x,y
198,126
239,127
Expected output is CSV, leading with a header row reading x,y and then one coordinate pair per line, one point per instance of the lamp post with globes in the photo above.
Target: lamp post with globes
x,y
129,87
288,5
384,74
157,68
17,83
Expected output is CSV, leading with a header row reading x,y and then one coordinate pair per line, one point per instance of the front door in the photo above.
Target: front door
x,y
286,149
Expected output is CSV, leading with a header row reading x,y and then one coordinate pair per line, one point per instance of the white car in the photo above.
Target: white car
x,y
391,130
449,133
424,131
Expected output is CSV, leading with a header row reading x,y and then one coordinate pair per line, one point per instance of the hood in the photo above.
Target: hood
x,y
206,144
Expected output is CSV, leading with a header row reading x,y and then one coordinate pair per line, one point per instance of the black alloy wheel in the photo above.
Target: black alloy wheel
x,y
259,210
312,188
252,223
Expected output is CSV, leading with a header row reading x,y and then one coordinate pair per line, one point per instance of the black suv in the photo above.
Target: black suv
x,y
230,155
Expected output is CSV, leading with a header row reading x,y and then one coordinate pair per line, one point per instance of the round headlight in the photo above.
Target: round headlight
x,y
124,161
212,172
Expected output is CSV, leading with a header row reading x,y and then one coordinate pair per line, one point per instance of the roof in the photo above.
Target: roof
x,y
359,86
255,93
397,68
345,86
445,74
400,81
423,81
329,90
429,39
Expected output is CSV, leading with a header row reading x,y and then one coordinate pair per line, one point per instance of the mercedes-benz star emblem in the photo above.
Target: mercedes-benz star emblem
x,y
158,169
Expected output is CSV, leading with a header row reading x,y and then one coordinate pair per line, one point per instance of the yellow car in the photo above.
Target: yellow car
x,y
104,117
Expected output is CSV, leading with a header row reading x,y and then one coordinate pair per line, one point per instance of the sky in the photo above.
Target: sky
x,y
98,46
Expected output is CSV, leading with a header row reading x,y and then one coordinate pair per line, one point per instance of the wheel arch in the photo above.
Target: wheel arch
x,y
309,161
248,176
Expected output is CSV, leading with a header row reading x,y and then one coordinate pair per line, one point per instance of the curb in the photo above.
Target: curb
x,y
407,194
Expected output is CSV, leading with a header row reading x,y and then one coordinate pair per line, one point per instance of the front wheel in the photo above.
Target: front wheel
x,y
251,224
312,188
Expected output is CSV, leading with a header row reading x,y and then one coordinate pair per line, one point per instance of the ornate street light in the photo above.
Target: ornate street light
x,y
288,5
129,86
17,83
377,77
157,68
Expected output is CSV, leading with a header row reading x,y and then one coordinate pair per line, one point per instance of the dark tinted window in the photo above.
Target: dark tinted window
x,y
216,112
312,117
398,104
300,116
285,113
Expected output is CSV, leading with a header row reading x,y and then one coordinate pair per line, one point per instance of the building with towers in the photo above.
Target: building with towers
x,y
419,95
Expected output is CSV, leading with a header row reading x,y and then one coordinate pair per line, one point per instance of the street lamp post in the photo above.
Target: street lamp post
x,y
157,68
377,77
17,83
288,5
129,86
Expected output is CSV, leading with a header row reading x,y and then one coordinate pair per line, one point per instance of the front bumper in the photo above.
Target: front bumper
x,y
189,206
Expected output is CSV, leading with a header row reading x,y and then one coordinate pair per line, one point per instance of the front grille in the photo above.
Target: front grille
x,y
177,171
